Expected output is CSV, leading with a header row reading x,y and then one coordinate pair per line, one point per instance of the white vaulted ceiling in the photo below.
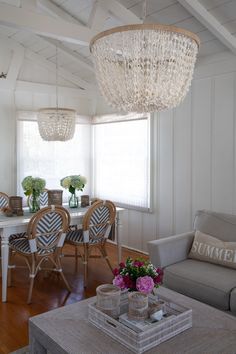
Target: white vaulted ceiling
x,y
38,25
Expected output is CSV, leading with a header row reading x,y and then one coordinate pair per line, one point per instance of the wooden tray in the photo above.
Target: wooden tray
x,y
178,320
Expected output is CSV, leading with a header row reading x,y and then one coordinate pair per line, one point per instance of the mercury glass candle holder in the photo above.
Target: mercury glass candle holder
x,y
108,299
138,306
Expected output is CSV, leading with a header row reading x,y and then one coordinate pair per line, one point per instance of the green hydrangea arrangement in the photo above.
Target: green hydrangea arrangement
x,y
33,185
75,182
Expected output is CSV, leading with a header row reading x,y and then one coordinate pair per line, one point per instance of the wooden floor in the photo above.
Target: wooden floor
x,y
49,293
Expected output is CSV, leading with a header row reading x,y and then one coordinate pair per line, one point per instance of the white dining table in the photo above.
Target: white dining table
x,y
16,224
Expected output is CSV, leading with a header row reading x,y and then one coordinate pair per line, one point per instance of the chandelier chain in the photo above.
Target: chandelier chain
x,y
56,77
56,124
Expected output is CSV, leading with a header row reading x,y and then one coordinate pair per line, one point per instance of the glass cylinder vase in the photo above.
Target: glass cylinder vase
x,y
73,201
138,306
34,203
108,299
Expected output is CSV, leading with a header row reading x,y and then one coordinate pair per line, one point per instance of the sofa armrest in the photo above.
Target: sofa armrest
x,y
170,250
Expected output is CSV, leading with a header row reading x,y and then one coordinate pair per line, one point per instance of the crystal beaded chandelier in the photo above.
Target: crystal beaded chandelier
x,y
56,124
144,67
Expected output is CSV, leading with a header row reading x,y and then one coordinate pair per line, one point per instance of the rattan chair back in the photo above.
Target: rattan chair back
x,y
4,200
47,226
100,216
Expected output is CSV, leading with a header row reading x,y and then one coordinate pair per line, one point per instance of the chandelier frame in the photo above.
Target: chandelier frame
x,y
145,26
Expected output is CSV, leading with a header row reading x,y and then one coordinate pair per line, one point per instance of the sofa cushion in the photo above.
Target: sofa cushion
x,y
210,249
233,301
206,282
222,226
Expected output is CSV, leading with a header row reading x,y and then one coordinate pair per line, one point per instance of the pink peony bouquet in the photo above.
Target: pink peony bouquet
x,y
137,275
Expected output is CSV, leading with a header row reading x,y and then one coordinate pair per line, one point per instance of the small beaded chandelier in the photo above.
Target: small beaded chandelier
x,y
56,124
144,67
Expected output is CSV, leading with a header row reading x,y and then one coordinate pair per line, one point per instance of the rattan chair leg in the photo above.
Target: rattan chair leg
x,y
85,261
32,276
105,256
59,268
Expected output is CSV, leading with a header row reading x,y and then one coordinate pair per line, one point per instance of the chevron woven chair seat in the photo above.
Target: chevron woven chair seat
x,y
16,236
42,242
95,230
76,236
4,200
22,245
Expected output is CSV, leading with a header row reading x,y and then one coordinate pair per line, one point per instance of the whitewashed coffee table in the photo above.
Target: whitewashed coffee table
x,y
67,330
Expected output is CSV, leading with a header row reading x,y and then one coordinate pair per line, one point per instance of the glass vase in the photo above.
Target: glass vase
x,y
138,306
108,299
34,203
73,201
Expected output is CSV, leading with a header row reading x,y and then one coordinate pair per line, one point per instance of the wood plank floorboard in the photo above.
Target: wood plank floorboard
x,y
49,293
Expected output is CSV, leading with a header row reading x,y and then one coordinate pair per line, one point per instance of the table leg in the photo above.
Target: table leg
x,y
119,245
5,256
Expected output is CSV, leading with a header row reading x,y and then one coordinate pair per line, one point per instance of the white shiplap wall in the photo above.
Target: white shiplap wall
x,y
195,165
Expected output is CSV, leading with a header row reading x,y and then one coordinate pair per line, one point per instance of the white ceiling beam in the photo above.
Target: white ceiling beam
x,y
97,17
16,60
119,11
210,22
44,25
15,65
65,74
49,89
29,4
56,11
70,53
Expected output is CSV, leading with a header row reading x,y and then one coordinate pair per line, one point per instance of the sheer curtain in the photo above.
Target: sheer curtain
x,y
121,162
52,160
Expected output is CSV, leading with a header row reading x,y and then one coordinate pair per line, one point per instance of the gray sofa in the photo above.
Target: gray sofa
x,y
206,282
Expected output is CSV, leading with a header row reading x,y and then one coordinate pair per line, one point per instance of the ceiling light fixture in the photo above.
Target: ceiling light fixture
x,y
56,124
144,67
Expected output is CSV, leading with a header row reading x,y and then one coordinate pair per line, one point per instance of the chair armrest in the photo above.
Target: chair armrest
x,y
170,250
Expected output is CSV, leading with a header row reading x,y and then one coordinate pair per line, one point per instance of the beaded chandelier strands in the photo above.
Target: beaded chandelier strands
x,y
56,124
144,67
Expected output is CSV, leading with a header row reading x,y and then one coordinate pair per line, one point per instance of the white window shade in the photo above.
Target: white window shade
x,y
121,169
52,160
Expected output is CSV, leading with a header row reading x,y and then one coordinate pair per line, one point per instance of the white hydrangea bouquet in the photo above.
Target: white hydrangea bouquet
x,y
33,185
73,183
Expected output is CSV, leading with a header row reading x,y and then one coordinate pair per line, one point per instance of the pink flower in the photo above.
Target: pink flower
x,y
122,265
159,277
115,271
145,284
129,283
137,264
119,281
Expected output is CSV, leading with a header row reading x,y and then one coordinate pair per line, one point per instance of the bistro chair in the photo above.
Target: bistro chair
x,y
96,227
42,242
4,200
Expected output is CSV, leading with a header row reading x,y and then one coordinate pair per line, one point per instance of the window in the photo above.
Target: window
x,y
51,160
121,161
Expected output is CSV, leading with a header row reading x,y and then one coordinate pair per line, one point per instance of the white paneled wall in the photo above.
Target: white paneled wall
x,y
7,142
195,164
